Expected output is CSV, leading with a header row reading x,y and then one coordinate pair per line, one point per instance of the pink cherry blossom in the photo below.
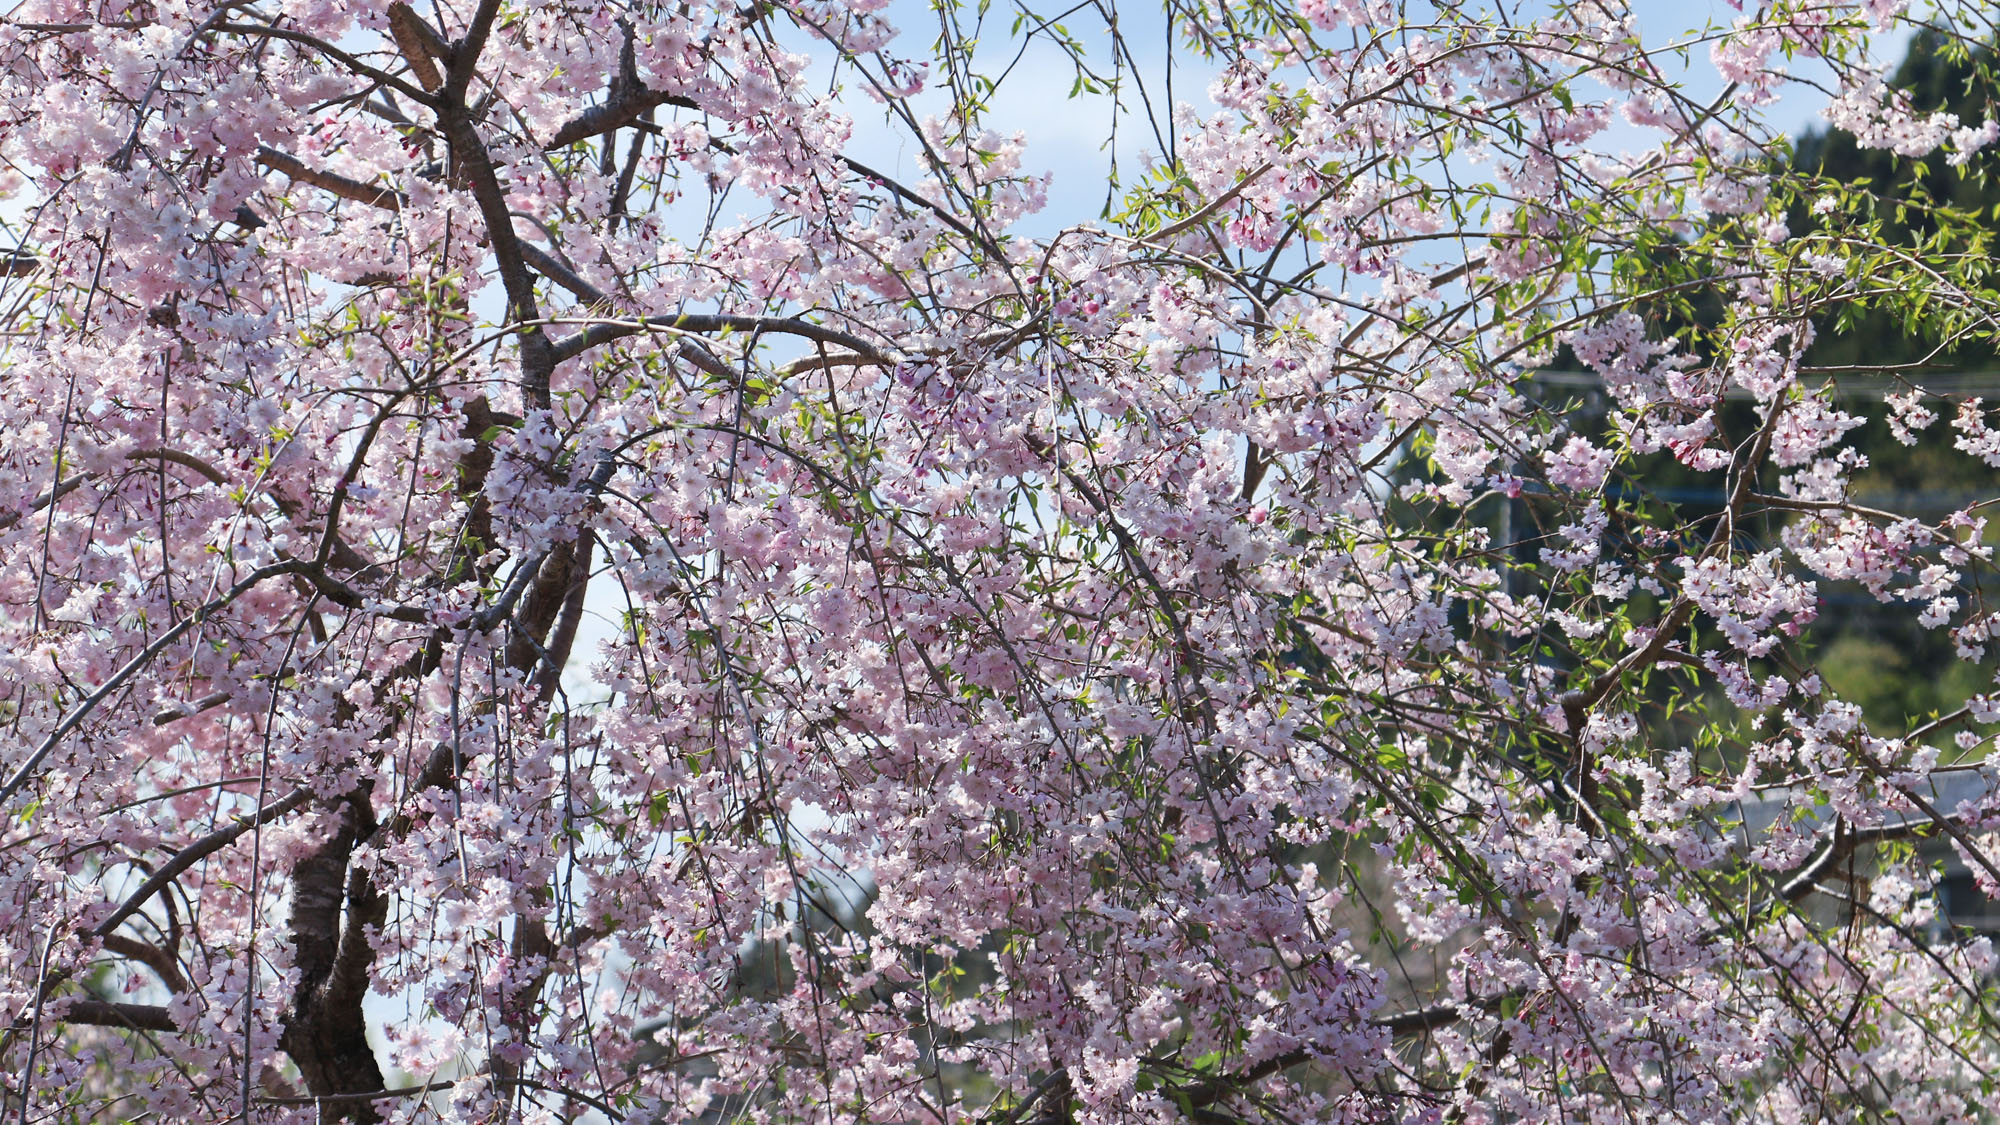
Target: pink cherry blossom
x,y
678,562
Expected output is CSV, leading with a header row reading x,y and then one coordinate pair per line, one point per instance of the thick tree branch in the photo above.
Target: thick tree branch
x,y
196,852
181,711
325,1032
605,332
465,53
332,182
84,709
421,47
546,264
474,166
623,107
132,1017
562,640
149,955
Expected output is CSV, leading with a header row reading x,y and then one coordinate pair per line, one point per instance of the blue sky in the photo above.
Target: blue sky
x,y
1069,136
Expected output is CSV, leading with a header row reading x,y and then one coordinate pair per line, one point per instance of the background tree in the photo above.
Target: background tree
x,y
1055,676
1899,671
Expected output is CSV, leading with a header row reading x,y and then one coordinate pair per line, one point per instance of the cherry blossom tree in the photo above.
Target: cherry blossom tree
x,y
540,583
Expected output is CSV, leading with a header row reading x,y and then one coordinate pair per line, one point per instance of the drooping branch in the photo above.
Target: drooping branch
x,y
605,331
331,51
70,484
